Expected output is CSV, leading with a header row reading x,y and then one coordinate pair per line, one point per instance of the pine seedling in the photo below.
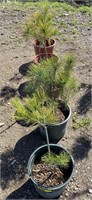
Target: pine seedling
x,y
53,76
38,110
41,26
61,160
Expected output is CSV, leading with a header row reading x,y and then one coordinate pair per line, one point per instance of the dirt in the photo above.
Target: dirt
x,y
47,175
17,141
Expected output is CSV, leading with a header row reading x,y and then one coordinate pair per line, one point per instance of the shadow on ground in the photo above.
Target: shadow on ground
x,y
24,90
84,103
23,68
11,169
21,89
81,147
8,127
7,92
14,162
78,194
26,191
16,77
26,145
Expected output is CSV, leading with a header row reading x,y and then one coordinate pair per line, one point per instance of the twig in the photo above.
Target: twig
x,y
8,127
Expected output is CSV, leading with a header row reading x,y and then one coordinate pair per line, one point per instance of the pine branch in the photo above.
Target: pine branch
x,y
38,109
53,75
62,159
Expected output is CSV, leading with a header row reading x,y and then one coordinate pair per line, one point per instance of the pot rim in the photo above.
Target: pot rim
x,y
38,55
34,44
56,124
59,186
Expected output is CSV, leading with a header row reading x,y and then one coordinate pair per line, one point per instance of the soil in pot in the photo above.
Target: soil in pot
x,y
48,176
60,115
56,131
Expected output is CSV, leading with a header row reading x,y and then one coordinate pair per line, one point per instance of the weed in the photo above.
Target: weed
x,y
83,123
85,9
66,7
74,31
73,22
64,39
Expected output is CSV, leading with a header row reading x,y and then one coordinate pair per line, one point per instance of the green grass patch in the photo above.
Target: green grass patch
x,y
85,9
73,22
27,5
66,7
85,122
74,31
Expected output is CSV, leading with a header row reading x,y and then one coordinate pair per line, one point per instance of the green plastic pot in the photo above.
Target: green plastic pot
x,y
57,131
50,192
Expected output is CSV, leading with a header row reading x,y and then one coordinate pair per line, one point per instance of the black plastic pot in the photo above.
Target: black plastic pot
x,y
57,131
50,192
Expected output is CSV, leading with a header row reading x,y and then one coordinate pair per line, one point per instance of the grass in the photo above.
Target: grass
x,y
62,7
74,31
85,122
23,6
73,22
66,7
85,9
18,6
64,39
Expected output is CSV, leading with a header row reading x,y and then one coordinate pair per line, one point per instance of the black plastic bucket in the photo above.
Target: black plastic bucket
x,y
57,131
50,192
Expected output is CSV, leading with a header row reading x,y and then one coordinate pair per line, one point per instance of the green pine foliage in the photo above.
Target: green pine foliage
x,y
21,113
53,76
53,159
41,26
36,110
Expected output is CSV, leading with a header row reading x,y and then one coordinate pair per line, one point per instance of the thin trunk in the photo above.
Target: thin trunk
x,y
47,138
46,51
39,52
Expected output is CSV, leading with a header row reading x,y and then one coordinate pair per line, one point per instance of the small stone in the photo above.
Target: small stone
x,y
9,103
12,37
20,176
13,47
3,43
1,124
15,57
90,190
66,194
66,14
13,162
75,188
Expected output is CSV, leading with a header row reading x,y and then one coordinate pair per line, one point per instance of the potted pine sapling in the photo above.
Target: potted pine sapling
x,y
40,26
56,77
50,166
51,171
